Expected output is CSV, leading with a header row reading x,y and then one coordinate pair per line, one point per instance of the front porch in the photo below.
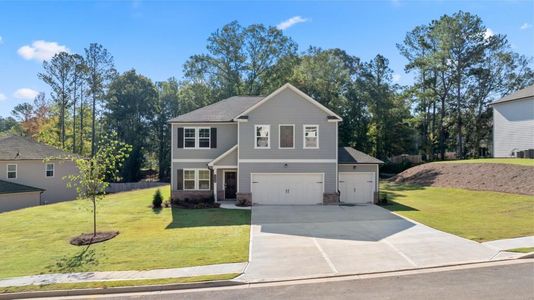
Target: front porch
x,y
225,171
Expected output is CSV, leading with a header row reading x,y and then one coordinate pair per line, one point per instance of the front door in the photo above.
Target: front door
x,y
230,180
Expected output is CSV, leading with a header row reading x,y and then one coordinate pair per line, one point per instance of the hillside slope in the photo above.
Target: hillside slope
x,y
506,178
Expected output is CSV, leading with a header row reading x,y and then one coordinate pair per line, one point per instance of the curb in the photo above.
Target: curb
x,y
528,255
120,290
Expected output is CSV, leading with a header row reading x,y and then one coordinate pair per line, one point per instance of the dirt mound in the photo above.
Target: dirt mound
x,y
481,177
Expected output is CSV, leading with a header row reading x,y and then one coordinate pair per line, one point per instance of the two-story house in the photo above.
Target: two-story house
x,y
278,149
33,173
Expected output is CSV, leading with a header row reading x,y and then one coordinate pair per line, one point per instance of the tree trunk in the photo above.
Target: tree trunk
x,y
93,133
460,148
94,215
74,122
442,130
81,119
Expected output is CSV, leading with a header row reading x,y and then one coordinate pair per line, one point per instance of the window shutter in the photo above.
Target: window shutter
x,y
180,179
180,137
213,136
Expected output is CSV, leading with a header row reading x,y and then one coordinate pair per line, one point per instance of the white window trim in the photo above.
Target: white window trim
x,y
16,171
196,180
197,138
280,136
53,170
304,136
256,137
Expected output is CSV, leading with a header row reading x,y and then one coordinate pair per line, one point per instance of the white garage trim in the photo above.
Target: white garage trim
x,y
369,174
322,175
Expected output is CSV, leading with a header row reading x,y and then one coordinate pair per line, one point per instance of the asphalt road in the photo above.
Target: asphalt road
x,y
511,281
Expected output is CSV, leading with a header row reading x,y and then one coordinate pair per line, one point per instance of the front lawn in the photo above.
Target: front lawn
x,y
510,161
476,215
522,250
36,240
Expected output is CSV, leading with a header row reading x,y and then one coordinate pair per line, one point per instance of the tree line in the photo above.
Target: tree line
x,y
458,67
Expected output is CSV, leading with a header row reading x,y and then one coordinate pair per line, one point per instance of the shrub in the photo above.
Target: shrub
x,y
157,200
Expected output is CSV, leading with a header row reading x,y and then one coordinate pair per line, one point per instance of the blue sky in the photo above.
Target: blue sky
x,y
156,38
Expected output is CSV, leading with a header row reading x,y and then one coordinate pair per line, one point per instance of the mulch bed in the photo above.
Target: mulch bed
x,y
89,238
505,178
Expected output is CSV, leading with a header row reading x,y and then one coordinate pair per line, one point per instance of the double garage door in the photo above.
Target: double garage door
x,y
287,189
307,188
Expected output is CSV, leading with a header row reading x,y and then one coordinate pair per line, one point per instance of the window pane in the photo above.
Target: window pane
x,y
203,184
204,174
204,132
204,143
189,132
286,136
262,142
262,131
311,135
189,184
311,131
189,143
50,167
311,142
11,168
189,174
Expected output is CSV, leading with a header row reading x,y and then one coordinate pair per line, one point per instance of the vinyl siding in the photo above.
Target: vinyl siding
x,y
18,200
226,139
228,160
329,170
32,173
288,108
513,127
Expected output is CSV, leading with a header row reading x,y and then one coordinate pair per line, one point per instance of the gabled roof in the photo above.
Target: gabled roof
x,y
223,111
7,187
232,150
299,92
349,155
20,148
521,94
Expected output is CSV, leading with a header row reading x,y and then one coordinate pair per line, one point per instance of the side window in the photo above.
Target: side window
x,y
311,136
49,170
189,137
12,171
287,136
203,179
262,135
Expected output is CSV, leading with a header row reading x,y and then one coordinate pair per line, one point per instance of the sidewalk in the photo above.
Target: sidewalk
x,y
507,244
124,275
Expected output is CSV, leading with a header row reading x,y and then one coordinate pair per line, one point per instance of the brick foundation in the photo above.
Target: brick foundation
x,y
330,198
245,198
192,195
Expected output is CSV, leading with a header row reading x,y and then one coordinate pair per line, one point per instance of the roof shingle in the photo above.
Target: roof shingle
x,y
521,94
20,148
222,111
7,187
348,155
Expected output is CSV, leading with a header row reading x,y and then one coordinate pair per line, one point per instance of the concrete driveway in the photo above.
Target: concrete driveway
x,y
289,242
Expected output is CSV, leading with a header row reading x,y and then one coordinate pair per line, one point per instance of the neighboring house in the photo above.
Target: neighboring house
x,y
513,123
279,149
24,173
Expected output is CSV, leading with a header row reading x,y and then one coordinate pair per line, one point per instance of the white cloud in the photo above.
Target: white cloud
x,y
396,78
25,93
3,97
1,41
489,33
290,22
525,26
41,50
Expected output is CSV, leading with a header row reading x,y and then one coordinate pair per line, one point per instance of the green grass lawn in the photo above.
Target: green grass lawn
x,y
111,284
511,161
36,240
476,215
522,250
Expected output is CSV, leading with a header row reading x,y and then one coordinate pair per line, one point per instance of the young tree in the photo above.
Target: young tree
x,y
100,71
92,180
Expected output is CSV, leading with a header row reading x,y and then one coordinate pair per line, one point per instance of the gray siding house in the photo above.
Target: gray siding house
x,y
513,123
279,149
26,179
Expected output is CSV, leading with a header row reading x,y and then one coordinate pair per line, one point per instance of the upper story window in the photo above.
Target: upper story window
x,y
12,171
311,136
195,138
49,170
286,136
262,136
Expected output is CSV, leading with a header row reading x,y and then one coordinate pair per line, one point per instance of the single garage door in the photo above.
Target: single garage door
x,y
357,188
287,189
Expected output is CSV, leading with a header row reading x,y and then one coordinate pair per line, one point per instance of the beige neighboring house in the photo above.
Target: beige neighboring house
x,y
26,179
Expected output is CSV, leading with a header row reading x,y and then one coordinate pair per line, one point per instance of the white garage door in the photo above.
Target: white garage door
x,y
287,189
357,188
